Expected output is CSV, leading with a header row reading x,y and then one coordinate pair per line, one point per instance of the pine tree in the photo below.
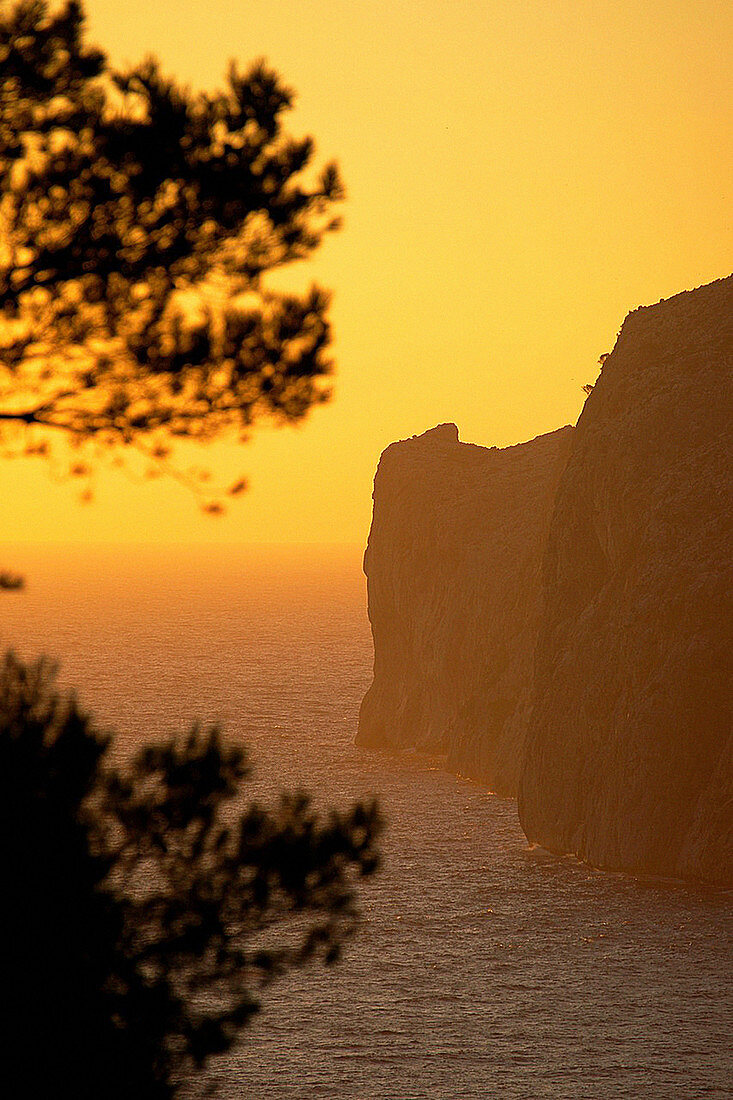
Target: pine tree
x,y
138,223
147,906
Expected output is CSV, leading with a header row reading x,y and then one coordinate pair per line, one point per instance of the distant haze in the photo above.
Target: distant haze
x,y
519,175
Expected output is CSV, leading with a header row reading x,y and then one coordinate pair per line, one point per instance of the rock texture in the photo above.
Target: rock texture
x,y
629,754
453,566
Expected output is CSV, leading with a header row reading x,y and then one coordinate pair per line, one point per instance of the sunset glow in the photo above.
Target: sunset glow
x,y
519,176
365,709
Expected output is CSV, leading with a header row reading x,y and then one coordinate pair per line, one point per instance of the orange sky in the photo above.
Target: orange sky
x,y
521,173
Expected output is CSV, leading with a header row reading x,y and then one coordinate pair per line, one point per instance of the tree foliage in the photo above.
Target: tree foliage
x,y
148,905
138,222
11,582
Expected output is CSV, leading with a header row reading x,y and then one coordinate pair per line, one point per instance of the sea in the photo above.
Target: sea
x,y
481,968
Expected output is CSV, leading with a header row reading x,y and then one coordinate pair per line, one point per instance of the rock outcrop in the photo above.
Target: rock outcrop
x,y
454,566
629,758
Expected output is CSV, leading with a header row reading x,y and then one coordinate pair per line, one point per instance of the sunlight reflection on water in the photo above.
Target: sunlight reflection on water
x,y
482,968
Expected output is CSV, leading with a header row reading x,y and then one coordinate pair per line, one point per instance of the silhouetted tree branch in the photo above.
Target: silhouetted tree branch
x,y
138,222
11,582
148,906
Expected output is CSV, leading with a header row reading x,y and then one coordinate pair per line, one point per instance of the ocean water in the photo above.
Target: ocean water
x,y
481,969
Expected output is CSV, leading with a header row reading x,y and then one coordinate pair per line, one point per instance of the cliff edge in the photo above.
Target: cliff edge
x,y
453,565
629,750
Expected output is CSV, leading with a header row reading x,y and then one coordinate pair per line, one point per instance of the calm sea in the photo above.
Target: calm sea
x,y
482,969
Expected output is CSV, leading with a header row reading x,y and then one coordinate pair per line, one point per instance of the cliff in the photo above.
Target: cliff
x,y
629,753
453,566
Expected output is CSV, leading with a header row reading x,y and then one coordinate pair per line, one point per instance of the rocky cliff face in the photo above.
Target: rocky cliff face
x,y
453,566
629,754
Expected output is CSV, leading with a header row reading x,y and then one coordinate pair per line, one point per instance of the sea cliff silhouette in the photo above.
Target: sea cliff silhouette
x,y
453,566
554,618
628,761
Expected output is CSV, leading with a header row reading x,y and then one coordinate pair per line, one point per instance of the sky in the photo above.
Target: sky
x,y
520,175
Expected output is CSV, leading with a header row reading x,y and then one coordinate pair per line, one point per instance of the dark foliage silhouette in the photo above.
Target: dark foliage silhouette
x,y
11,582
137,224
146,905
